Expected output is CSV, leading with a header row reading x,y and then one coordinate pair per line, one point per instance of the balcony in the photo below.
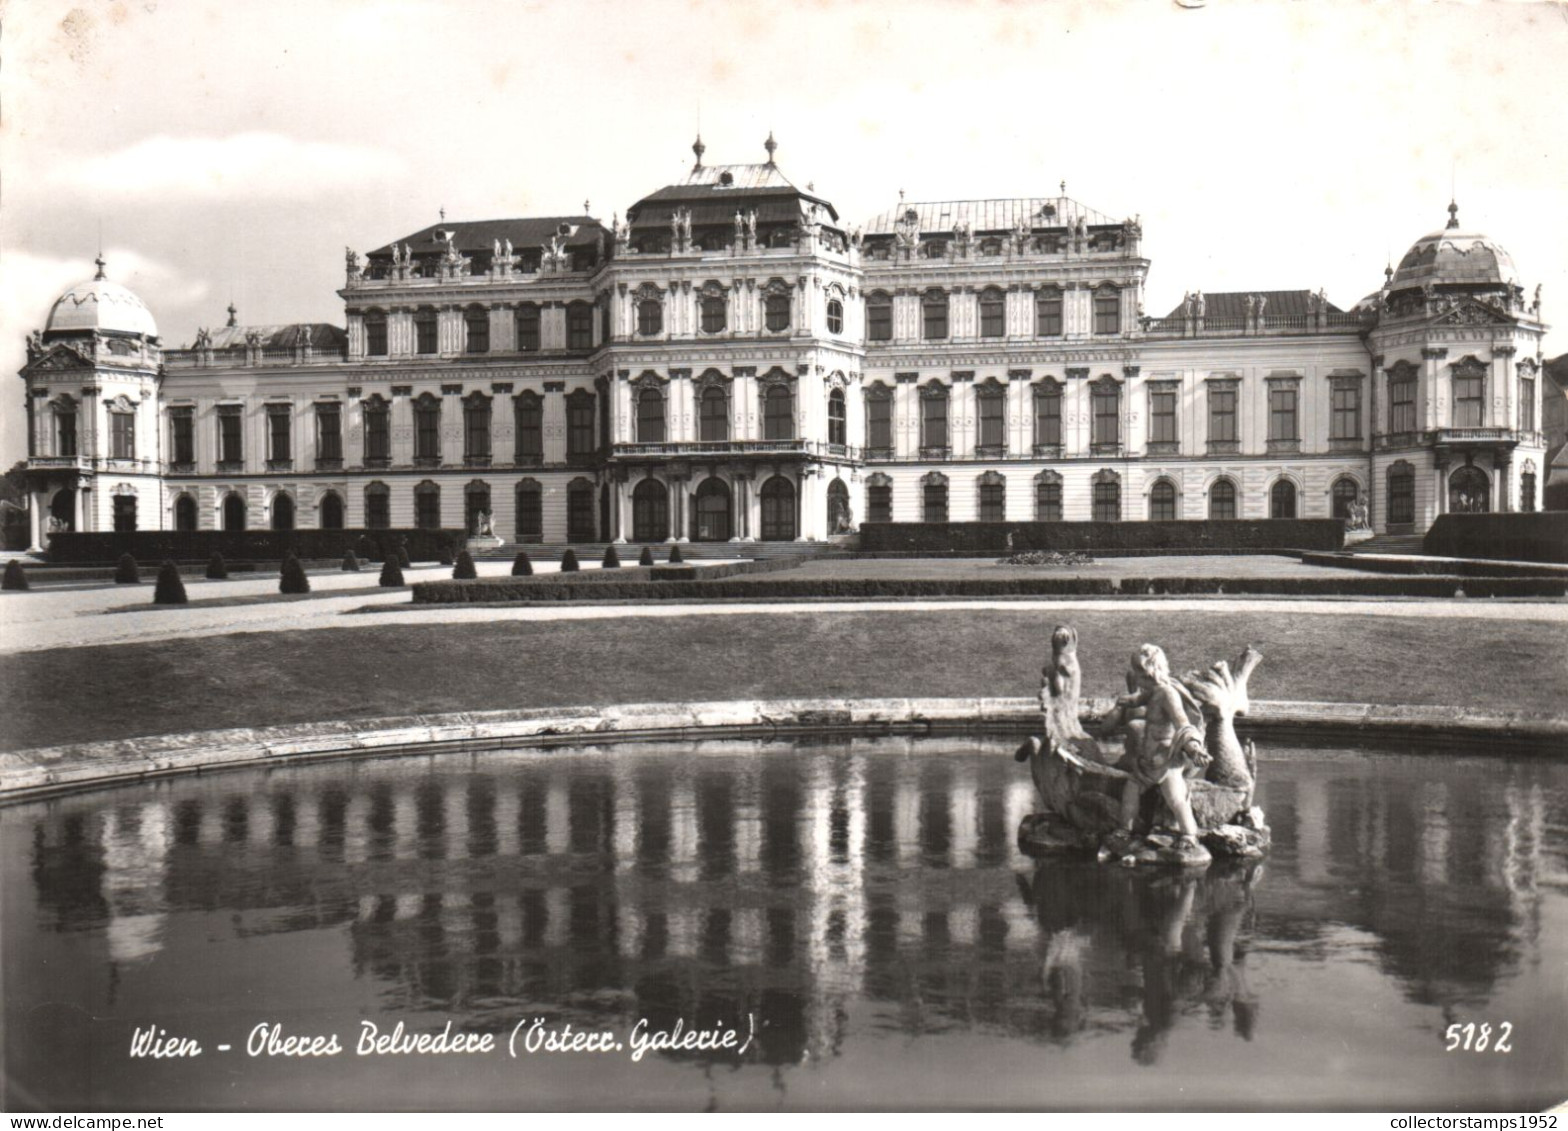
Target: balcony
x,y
878,455
715,447
1474,436
51,463
936,453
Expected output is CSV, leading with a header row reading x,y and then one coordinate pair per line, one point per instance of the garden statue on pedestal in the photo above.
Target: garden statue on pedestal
x,y
1177,788
483,536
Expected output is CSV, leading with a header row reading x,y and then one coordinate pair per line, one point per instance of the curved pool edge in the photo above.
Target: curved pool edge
x,y
30,774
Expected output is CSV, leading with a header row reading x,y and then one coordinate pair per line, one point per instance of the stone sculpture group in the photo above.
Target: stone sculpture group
x,y
1160,778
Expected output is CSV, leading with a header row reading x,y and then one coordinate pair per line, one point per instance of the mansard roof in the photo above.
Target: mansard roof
x,y
714,193
320,335
1233,304
480,235
1001,215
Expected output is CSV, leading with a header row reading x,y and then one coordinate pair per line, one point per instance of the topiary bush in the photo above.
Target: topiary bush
x,y
647,556
521,566
170,589
444,555
291,578
127,572
391,574
350,562
217,568
569,561
402,556
15,578
612,560
464,569
675,554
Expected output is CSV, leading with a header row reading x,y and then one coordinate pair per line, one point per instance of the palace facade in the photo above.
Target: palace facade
x,y
733,362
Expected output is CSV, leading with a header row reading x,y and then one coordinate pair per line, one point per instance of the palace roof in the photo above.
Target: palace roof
x,y
480,235
1001,215
1233,304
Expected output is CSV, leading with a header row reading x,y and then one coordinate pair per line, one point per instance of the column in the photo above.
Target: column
x,y
35,519
738,504
1501,469
618,508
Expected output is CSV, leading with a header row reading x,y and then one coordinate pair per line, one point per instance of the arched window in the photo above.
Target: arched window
x,y
1401,494
714,313
993,497
476,429
477,321
879,499
933,420
1344,493
933,498
713,422
1162,501
530,511
778,413
835,316
878,401
528,327
712,511
879,317
1047,418
1107,310
650,316
1048,312
378,506
283,511
1282,499
933,315
580,524
992,435
185,513
234,515
650,511
993,313
425,330
1107,497
427,506
528,421
476,501
841,519
579,325
1048,497
427,430
837,418
375,333
776,310
1222,499
329,511
650,415
778,510
1469,491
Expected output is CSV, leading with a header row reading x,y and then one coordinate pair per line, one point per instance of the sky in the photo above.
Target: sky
x,y
230,151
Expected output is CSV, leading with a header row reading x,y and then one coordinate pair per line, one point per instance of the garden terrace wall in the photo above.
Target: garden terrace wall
x,y
1103,537
243,545
1535,536
1455,567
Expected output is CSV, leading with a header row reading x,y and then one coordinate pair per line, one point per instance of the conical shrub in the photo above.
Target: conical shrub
x,y
350,562
675,554
127,572
391,574
647,556
612,560
15,578
444,554
170,589
569,561
521,566
464,569
291,578
217,568
403,561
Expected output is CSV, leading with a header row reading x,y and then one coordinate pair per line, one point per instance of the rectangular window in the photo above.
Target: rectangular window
x,y
1107,502
427,509
1048,313
1527,404
1222,414
1162,416
528,328
992,434
231,448
776,312
530,515
992,315
1282,413
879,423
879,319
1048,416
329,433
934,310
1107,311
579,326
934,498
933,422
122,435
1048,501
427,431
1468,394
579,426
1401,407
279,421
378,510
529,419
378,434
993,502
1345,421
65,434
879,503
182,436
476,430
1107,416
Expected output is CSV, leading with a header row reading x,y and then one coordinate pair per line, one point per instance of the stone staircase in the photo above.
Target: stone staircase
x,y
1388,544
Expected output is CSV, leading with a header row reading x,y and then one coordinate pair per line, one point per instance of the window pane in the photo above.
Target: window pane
x,y
329,432
650,417
477,320
879,422
528,328
992,434
476,430
992,314
1048,313
529,419
933,422
1282,414
935,502
879,503
1162,417
1107,427
1048,501
1222,415
779,414
777,312
879,318
1107,311
715,423
934,311
1048,416
1107,502
835,316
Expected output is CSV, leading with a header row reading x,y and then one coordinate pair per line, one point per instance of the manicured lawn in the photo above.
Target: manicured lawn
x,y
271,678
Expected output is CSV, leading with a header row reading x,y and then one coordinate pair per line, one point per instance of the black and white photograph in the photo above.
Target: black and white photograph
x,y
741,557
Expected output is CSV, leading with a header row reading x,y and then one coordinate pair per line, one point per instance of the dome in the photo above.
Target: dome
x,y
98,304
1453,255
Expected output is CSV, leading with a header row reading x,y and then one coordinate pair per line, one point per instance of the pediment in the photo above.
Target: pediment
x,y
59,357
1471,313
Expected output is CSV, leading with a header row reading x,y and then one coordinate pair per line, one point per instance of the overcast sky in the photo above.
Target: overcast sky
x,y
231,150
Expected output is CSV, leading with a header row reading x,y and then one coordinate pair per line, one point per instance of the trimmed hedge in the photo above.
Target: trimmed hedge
x,y
103,547
1103,537
1525,536
1453,567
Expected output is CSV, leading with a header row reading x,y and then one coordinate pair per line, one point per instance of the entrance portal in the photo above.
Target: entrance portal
x,y
778,510
650,512
1469,491
62,509
713,511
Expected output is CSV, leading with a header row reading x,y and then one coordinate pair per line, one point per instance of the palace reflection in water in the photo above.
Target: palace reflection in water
x,y
842,895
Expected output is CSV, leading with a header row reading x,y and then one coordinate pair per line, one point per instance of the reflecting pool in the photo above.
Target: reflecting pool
x,y
857,912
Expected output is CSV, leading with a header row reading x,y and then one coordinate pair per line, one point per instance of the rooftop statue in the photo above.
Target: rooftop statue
x,y
1161,778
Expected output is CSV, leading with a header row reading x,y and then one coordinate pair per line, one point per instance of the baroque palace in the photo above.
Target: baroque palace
x,y
733,362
